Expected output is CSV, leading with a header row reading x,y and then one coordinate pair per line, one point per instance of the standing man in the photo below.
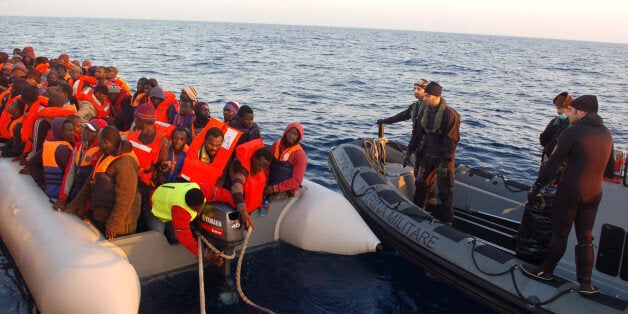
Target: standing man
x,y
413,109
585,147
436,134
549,137
112,188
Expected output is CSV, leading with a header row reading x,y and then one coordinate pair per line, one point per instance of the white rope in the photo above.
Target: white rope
x,y
203,240
201,277
508,210
238,270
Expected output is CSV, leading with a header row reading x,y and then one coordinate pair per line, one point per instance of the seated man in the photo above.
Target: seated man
x,y
202,115
14,146
94,103
48,164
248,179
243,121
229,111
169,170
84,157
209,154
112,189
289,162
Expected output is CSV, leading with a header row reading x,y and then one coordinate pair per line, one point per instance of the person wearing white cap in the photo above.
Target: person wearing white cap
x,y
84,155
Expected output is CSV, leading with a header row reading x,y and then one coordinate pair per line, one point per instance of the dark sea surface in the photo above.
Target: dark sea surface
x,y
338,82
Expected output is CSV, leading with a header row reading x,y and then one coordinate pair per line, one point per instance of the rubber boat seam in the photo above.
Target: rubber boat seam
x,y
284,211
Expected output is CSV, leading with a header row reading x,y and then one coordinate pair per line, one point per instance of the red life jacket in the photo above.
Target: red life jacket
x,y
102,110
147,154
197,171
255,183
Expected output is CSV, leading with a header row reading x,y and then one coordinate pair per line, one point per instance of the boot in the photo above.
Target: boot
x,y
584,269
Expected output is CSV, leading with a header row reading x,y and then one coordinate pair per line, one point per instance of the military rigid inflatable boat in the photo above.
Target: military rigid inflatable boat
x,y
480,254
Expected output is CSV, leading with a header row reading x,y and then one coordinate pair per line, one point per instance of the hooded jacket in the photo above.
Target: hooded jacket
x,y
289,163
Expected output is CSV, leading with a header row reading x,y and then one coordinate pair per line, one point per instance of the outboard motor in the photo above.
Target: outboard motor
x,y
220,224
535,231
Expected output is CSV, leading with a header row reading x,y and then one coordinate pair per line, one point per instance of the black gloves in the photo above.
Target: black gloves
x,y
534,191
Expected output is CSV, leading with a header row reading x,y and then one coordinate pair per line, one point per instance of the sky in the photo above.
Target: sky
x,y
601,20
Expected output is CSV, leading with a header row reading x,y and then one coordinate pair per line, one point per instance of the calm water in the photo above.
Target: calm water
x,y
338,82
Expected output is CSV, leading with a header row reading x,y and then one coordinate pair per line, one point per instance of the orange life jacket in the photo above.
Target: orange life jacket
x,y
147,154
104,192
161,112
43,68
138,99
117,105
53,175
197,171
5,118
32,114
12,124
51,112
5,98
120,83
255,183
102,110
81,84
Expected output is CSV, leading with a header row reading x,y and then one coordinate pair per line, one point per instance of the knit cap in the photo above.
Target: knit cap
x,y
232,106
146,113
434,89
157,92
586,103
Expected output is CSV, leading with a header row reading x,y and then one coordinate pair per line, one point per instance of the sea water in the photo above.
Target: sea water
x,y
337,82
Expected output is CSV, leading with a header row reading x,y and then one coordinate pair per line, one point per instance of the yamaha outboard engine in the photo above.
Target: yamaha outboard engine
x,y
220,224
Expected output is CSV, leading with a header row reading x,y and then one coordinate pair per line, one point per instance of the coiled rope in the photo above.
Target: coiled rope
x,y
372,149
203,240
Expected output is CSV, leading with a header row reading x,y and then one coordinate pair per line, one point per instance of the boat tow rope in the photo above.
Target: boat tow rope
x,y
202,240
511,270
372,149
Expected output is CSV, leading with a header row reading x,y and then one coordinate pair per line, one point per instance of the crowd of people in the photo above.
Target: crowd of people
x,y
100,150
